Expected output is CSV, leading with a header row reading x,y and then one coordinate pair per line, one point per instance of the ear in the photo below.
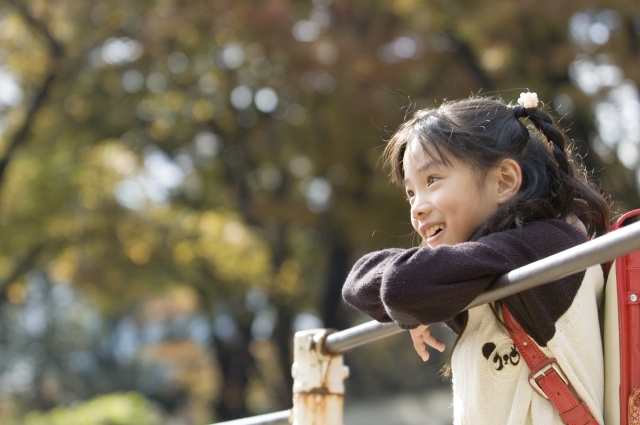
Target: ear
x,y
509,177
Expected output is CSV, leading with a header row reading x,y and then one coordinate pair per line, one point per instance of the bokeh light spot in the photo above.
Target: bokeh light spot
x,y
326,53
295,114
156,82
241,97
207,144
132,81
139,253
266,100
300,166
306,31
177,62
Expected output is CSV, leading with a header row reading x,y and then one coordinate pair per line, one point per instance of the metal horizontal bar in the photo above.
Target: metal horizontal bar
x,y
347,339
277,418
565,263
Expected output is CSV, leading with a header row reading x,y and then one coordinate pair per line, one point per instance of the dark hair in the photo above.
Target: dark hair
x,y
482,132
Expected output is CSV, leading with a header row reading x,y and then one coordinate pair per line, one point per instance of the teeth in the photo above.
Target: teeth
x,y
433,229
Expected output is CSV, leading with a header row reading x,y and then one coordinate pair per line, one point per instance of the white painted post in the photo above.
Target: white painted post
x,y
318,380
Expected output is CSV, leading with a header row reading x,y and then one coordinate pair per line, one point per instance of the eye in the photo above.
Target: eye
x,y
431,180
410,195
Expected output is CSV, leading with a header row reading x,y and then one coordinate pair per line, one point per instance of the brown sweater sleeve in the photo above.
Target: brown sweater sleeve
x,y
362,288
424,285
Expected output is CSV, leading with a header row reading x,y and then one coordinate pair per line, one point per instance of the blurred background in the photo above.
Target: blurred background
x,y
185,183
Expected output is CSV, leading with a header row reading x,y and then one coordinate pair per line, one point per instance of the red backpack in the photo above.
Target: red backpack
x,y
621,331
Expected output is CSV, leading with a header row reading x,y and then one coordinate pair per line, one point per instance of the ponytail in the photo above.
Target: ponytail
x,y
543,122
567,194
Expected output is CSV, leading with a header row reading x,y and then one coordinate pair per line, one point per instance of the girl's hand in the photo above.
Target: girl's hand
x,y
422,336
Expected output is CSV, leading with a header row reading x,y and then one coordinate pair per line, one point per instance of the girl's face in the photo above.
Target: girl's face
x,y
448,202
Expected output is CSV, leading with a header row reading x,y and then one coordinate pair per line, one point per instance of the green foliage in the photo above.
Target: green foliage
x,y
114,409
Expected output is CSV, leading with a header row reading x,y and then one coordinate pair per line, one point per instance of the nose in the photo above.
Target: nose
x,y
419,208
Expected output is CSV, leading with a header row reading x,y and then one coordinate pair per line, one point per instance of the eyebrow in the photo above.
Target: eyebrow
x,y
426,166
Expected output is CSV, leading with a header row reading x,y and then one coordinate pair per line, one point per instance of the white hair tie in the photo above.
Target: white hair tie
x,y
528,100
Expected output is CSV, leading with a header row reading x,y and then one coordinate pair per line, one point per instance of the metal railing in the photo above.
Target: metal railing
x,y
277,418
318,370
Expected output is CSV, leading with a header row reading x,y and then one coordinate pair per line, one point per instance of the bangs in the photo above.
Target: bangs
x,y
433,133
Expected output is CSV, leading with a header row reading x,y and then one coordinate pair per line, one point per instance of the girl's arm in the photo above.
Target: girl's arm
x,y
421,285
362,288
424,285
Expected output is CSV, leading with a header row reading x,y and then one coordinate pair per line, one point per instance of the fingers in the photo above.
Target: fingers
x,y
432,341
421,336
421,349
418,330
418,341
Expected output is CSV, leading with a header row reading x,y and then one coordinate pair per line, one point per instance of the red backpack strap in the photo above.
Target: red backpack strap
x,y
546,377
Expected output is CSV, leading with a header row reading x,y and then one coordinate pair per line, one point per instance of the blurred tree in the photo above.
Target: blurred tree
x,y
233,147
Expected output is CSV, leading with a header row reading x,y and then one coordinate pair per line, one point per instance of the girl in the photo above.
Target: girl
x,y
487,196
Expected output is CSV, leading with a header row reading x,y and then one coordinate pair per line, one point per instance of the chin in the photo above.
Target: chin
x,y
440,243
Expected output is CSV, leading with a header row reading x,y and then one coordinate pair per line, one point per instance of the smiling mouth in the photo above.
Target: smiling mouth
x,y
433,230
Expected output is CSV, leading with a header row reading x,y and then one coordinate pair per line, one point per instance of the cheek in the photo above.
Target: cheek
x,y
456,204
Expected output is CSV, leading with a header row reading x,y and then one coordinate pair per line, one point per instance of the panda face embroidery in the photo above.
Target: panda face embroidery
x,y
503,359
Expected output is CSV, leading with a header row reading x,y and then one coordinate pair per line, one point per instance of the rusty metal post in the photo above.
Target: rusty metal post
x,y
318,380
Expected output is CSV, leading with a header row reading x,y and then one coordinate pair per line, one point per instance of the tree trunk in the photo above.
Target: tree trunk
x,y
337,273
235,364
